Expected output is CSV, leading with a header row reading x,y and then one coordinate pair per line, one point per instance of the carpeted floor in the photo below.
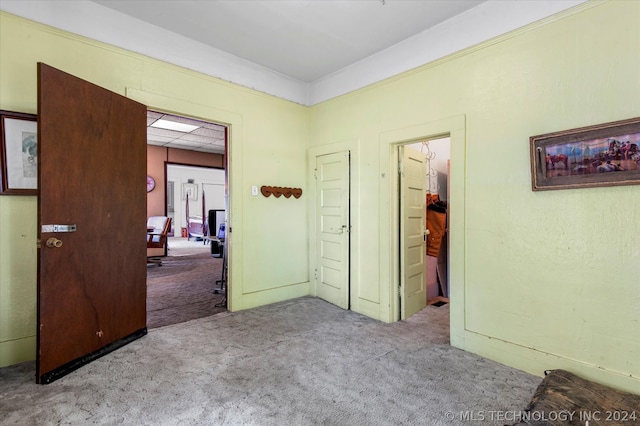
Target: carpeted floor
x,y
182,288
299,362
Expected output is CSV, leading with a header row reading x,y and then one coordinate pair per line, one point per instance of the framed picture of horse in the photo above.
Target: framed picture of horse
x,y
601,155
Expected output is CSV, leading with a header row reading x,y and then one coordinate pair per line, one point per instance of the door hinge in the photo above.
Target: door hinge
x,y
38,243
315,173
315,274
399,291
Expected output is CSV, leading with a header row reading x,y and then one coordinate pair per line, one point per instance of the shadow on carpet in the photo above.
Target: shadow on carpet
x,y
182,289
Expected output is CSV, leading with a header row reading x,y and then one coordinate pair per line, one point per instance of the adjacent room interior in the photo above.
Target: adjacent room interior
x,y
438,156
186,279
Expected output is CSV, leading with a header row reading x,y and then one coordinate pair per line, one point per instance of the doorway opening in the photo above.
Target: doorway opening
x,y
438,152
423,199
187,159
195,203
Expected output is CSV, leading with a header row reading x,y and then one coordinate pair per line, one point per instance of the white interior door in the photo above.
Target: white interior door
x,y
332,228
413,172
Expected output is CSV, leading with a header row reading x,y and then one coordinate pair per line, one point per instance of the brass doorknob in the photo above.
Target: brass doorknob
x,y
54,243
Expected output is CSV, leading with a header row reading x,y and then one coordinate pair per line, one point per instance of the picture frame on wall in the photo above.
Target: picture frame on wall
x,y
191,189
18,153
600,155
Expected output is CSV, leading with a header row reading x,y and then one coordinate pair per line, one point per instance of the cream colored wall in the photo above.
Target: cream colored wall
x,y
539,280
17,279
268,147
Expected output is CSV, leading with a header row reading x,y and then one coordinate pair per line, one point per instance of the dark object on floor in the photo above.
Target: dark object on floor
x,y
566,399
438,304
216,248
217,245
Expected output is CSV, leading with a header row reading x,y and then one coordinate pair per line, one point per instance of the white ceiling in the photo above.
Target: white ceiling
x,y
304,51
302,39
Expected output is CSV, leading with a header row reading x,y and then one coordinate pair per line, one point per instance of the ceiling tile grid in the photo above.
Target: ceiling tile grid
x,y
206,137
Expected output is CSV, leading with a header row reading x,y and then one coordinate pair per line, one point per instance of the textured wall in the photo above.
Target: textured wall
x,y
540,280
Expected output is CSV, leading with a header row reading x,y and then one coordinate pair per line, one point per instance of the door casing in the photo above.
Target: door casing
x,y
232,121
389,259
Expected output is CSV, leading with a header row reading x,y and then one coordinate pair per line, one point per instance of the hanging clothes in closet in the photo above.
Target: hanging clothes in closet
x,y
436,223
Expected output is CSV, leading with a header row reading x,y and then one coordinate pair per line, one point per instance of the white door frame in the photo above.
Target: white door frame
x,y
236,300
390,220
353,146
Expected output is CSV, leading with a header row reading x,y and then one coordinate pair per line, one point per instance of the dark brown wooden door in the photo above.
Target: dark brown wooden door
x,y
91,174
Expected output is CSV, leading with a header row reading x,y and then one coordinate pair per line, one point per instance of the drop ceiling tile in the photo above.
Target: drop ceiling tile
x,y
197,138
205,131
162,139
178,146
208,138
153,131
184,120
182,142
214,126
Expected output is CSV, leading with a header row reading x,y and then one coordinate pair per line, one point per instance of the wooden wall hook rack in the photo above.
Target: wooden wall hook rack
x,y
277,191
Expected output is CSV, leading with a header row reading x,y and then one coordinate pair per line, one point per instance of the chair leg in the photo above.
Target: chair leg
x,y
154,261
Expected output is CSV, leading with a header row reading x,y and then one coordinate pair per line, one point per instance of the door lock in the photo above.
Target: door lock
x,y
54,243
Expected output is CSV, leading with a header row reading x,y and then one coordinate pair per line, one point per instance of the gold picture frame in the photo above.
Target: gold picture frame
x,y
600,155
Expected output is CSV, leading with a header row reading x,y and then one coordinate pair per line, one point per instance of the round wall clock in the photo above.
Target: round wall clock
x,y
151,183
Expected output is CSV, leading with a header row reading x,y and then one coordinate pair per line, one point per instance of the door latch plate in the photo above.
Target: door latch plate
x,y
59,228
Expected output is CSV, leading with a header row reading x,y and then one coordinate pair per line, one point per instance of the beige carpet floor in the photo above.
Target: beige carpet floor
x,y
299,362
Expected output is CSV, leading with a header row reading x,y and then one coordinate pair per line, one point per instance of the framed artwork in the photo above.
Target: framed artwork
x,y
191,189
18,153
601,155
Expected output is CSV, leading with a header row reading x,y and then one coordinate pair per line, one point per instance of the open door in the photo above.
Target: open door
x,y
413,293
332,228
91,222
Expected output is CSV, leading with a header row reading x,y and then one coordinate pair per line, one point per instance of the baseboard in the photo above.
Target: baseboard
x,y
536,362
269,296
17,351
